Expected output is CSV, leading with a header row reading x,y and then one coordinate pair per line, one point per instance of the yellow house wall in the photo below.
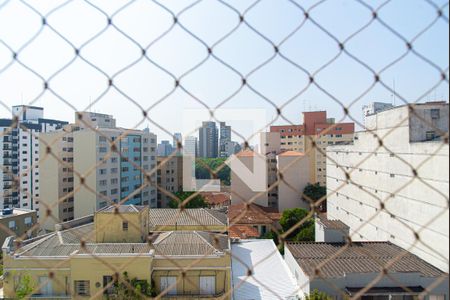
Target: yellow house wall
x,y
15,268
93,269
108,227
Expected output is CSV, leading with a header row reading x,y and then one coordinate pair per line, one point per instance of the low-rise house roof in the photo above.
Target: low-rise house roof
x,y
335,260
270,276
216,198
187,217
331,224
252,214
190,243
122,209
243,232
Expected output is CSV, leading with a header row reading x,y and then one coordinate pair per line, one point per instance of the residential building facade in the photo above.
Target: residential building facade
x,y
208,140
374,108
190,147
225,144
169,179
84,149
312,138
81,258
343,271
18,222
20,156
397,191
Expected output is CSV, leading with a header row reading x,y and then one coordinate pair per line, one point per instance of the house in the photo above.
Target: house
x,y
217,200
201,219
366,270
19,222
261,218
260,273
84,258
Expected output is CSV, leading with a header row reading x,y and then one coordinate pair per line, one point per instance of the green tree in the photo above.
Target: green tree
x,y
208,168
25,287
196,202
291,217
131,289
316,295
316,192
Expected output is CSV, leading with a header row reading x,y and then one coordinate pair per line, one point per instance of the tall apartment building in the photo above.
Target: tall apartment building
x,y
208,140
290,170
313,137
169,178
384,200
84,149
165,148
190,147
225,140
19,156
374,108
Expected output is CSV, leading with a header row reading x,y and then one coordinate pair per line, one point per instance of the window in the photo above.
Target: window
x,y
102,138
45,285
102,149
12,225
82,287
435,114
102,171
169,282
207,285
28,221
430,135
125,226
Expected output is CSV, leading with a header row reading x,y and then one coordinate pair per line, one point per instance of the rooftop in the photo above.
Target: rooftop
x,y
271,278
361,257
187,217
69,242
13,212
252,214
291,153
122,209
190,243
243,232
331,224
216,198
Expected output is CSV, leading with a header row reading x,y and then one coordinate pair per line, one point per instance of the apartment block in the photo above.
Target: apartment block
x,y
20,156
225,140
396,192
313,137
80,260
17,222
287,174
169,178
208,140
83,150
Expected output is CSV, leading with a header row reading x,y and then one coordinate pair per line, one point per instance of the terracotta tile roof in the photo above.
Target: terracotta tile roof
x,y
254,214
243,232
291,153
362,257
246,153
213,198
187,217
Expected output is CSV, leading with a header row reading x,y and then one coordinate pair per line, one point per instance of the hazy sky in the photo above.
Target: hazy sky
x,y
79,82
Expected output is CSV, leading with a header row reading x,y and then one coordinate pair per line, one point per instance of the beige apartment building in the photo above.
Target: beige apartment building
x,y
312,138
287,175
83,150
85,259
17,222
169,178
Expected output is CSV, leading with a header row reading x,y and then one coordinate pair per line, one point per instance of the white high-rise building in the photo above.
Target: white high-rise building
x,y
374,108
19,156
396,191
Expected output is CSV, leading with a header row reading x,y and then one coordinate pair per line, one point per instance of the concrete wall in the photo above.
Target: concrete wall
x,y
412,205
335,286
295,171
301,278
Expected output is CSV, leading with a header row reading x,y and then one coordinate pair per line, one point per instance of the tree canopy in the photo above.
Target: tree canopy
x,y
292,217
196,202
205,168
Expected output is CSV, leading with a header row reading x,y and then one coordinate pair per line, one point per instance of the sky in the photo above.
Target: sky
x,y
180,51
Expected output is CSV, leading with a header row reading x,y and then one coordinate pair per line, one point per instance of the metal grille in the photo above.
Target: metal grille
x,y
182,21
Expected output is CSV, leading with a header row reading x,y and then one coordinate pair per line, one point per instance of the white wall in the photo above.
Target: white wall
x,y
411,205
301,278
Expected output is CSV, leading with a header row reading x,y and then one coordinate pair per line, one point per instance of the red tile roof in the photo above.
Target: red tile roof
x,y
243,232
253,214
216,198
